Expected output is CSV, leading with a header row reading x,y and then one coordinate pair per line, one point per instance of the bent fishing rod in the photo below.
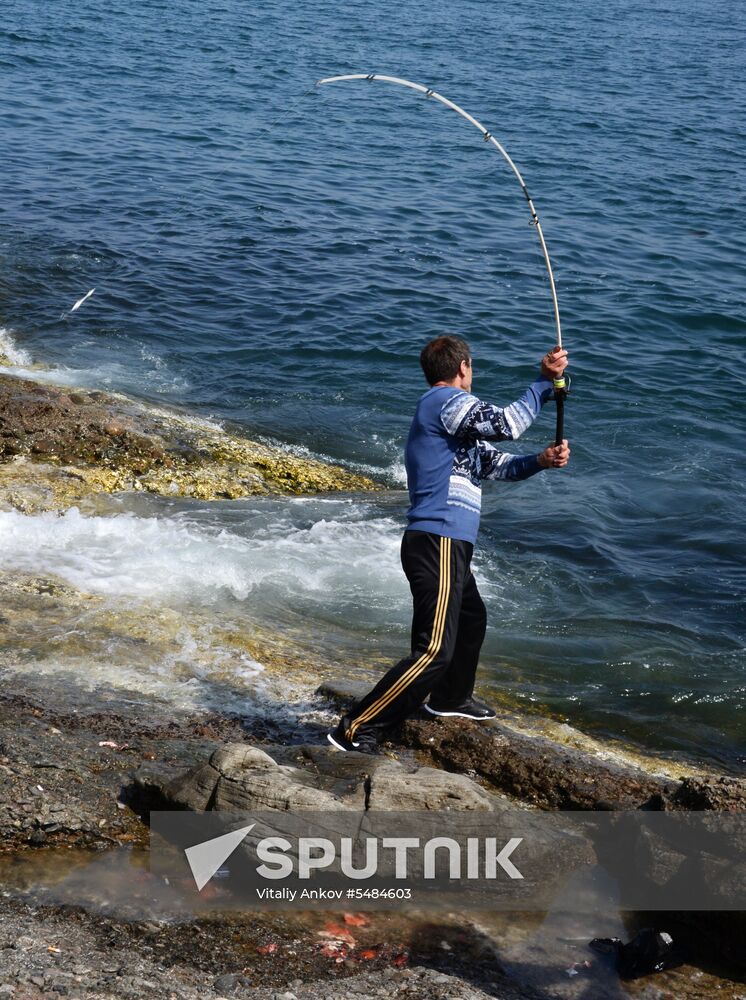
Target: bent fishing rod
x,y
561,383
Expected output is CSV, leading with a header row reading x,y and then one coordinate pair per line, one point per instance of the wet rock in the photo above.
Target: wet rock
x,y
553,776
343,692
113,429
124,445
697,855
722,794
149,782
530,768
189,961
49,422
43,446
53,791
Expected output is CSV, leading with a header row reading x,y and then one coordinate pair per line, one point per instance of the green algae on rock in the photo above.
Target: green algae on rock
x,y
59,446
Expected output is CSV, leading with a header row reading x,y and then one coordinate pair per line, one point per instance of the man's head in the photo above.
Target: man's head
x,y
447,361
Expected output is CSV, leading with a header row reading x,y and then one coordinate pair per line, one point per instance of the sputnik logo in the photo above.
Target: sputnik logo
x,y
281,861
206,858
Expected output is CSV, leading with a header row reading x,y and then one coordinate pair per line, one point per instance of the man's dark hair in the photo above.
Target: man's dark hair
x,y
441,358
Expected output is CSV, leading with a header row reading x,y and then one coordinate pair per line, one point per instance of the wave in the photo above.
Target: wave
x,y
153,376
10,350
340,560
391,469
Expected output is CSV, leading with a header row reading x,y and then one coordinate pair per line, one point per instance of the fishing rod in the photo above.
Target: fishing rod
x,y
561,386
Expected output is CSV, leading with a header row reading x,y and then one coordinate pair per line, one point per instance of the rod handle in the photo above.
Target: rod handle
x,y
560,391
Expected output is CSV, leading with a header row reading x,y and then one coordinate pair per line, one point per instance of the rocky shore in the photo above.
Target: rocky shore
x,y
59,447
79,776
76,789
47,953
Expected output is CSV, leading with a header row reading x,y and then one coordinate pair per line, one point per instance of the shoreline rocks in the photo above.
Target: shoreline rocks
x,y
212,752
62,776
536,770
241,777
47,952
59,447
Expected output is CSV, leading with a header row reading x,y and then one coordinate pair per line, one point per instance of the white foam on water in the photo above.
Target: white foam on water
x,y
15,354
326,561
70,377
398,472
22,365
111,375
394,470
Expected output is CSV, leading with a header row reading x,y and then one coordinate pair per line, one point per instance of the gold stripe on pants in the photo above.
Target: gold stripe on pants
x,y
436,639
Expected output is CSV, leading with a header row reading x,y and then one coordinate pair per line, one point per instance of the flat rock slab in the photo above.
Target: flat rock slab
x,y
323,786
342,692
532,769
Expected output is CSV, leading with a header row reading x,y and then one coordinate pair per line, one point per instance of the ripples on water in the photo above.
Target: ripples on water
x,y
285,277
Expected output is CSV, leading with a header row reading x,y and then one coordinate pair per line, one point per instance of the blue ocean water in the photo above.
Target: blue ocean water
x,y
274,255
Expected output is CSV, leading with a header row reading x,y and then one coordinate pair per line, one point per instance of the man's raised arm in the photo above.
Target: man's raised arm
x,y
464,415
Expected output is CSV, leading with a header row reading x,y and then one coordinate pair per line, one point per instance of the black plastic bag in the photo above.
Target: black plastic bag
x,y
648,951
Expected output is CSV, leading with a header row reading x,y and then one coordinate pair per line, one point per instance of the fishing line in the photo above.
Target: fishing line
x,y
561,383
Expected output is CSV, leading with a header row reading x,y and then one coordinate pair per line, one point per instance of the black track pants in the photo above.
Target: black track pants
x,y
448,627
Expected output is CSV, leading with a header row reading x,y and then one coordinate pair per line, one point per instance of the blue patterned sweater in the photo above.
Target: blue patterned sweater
x,y
448,455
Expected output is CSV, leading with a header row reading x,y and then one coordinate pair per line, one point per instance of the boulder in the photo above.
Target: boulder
x,y
316,791
239,777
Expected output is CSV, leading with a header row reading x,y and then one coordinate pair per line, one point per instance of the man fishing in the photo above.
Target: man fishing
x,y
448,454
